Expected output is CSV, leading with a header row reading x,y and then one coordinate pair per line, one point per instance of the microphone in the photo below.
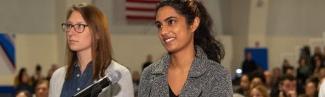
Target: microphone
x,y
111,78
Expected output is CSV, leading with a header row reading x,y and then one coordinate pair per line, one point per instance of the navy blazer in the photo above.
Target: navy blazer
x,y
206,78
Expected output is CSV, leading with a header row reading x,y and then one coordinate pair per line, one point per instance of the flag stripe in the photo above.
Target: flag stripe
x,y
141,5
144,1
144,13
141,17
139,9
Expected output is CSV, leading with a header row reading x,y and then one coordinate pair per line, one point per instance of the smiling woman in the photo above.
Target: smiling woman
x,y
192,66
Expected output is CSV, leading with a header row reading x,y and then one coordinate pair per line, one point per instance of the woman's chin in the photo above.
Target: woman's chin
x,y
72,48
170,49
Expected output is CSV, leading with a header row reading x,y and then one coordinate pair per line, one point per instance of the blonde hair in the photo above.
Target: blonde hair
x,y
261,89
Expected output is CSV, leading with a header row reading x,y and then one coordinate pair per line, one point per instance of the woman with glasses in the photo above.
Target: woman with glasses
x,y
89,57
191,68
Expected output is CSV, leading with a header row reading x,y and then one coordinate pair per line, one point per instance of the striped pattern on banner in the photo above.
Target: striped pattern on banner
x,y
7,52
140,9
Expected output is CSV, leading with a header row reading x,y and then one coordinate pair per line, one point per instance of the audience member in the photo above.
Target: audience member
x,y
249,66
42,88
51,71
303,72
257,79
317,56
244,85
276,81
317,64
276,75
285,65
321,73
317,53
305,53
37,76
136,81
147,62
23,93
258,91
290,71
287,86
268,79
23,81
311,88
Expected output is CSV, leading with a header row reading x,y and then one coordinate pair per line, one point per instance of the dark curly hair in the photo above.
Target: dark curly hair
x,y
203,37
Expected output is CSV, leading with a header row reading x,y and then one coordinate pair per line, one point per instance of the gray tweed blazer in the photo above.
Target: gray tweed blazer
x,y
206,78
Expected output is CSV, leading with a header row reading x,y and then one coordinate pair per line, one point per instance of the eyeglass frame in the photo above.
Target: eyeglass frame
x,y
66,29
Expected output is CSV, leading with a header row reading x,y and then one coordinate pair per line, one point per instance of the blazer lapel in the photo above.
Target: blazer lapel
x,y
159,86
196,80
192,88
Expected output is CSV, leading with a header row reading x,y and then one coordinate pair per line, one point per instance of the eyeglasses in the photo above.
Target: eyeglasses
x,y
66,27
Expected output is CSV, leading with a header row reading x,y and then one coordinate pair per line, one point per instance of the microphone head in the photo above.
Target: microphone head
x,y
114,76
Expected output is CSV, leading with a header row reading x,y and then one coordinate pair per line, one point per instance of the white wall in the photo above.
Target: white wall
x,y
30,50
291,25
27,16
258,22
235,21
281,47
213,7
227,62
296,18
131,49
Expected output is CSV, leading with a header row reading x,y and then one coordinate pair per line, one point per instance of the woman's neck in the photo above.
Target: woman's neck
x,y
183,59
84,57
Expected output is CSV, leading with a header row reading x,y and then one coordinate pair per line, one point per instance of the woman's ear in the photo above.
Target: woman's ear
x,y
195,24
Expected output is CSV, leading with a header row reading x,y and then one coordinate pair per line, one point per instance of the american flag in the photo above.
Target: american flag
x,y
140,9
